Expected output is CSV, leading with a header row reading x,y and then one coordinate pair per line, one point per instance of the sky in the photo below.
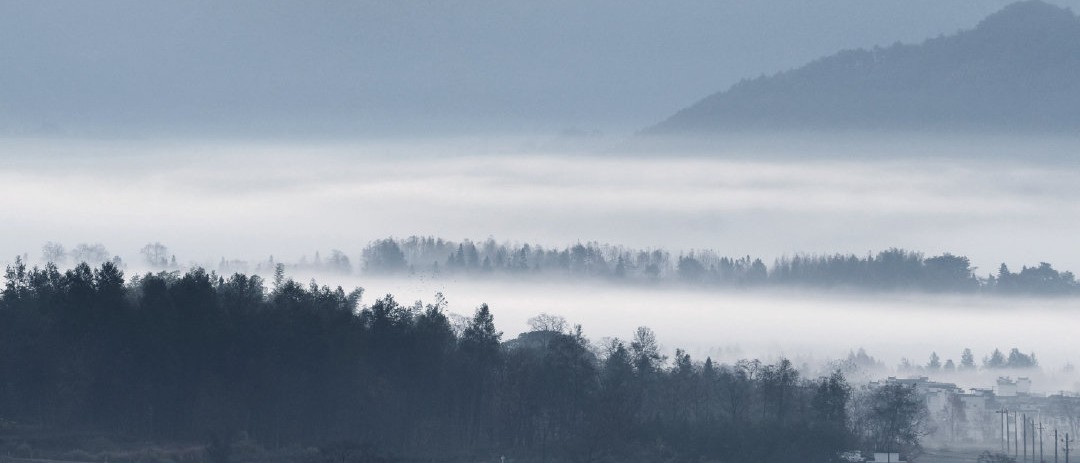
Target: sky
x,y
393,68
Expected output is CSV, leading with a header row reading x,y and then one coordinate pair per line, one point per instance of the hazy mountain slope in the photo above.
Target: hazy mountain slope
x,y
385,68
1019,69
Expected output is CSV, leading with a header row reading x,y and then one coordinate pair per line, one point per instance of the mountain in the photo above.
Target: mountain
x,y
1017,70
403,69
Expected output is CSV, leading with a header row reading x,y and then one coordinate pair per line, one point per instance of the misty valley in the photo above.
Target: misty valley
x,y
569,231
704,332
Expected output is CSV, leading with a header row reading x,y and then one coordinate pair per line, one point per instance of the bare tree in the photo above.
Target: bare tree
x,y
53,252
156,255
548,322
90,253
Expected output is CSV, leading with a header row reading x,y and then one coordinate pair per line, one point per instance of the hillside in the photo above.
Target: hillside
x,y
1017,70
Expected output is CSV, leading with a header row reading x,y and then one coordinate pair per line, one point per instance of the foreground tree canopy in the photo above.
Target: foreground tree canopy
x,y
196,357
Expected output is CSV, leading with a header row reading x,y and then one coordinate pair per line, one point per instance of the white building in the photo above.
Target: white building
x,y
1023,385
880,457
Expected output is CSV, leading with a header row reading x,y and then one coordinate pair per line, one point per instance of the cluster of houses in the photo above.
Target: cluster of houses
x,y
1000,416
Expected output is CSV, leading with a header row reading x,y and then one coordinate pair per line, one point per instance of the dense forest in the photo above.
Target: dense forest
x,y
893,269
252,371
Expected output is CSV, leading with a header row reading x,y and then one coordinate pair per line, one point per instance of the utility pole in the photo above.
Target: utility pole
x,y
1041,459
1024,434
1066,447
1003,430
1033,438
1016,445
1008,443
1034,432
1056,445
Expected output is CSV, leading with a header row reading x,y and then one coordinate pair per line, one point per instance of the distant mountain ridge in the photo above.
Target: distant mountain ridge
x,y
1018,69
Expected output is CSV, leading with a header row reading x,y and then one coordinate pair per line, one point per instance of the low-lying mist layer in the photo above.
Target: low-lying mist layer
x,y
239,202
245,200
894,269
436,258
819,331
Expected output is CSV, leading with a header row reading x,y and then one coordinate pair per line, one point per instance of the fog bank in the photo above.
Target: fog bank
x,y
811,329
209,200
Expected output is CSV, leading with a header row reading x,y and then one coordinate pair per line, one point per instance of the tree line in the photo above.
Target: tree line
x,y
996,360
201,357
860,361
892,269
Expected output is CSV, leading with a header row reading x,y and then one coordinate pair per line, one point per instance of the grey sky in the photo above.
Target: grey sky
x,y
395,67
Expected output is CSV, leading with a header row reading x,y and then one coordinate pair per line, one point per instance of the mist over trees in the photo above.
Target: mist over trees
x,y
892,270
93,254
265,119
996,361
199,357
